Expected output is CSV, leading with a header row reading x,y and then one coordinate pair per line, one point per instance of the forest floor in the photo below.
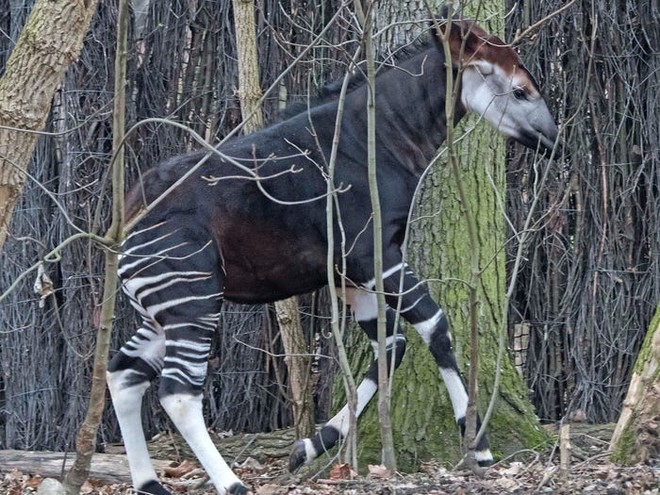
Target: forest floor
x,y
589,472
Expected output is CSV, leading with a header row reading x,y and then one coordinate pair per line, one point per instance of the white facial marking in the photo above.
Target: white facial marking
x,y
492,95
387,273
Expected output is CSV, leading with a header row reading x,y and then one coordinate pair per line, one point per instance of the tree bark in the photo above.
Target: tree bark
x,y
50,42
636,437
422,416
298,363
249,92
249,87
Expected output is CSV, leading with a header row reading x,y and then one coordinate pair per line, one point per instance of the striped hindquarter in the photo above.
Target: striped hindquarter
x,y
175,283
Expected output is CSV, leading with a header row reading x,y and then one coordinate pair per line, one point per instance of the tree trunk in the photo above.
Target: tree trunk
x,y
288,317
636,437
249,87
422,416
50,41
298,362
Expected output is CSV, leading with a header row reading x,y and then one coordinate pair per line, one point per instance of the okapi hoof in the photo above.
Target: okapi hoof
x,y
298,456
153,488
238,489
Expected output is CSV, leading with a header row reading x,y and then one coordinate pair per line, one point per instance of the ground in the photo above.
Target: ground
x,y
589,472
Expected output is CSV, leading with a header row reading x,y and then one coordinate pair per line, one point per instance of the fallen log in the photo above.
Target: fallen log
x,y
108,468
166,450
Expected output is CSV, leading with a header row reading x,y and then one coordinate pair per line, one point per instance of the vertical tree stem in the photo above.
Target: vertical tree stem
x,y
388,456
86,440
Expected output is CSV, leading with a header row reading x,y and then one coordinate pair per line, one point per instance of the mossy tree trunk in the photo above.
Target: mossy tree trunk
x,y
637,434
422,415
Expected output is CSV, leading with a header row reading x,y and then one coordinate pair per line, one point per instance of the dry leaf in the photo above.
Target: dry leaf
x,y
342,472
379,471
33,482
178,471
43,285
251,463
268,489
514,469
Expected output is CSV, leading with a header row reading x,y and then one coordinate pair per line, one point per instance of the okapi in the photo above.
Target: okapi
x,y
228,239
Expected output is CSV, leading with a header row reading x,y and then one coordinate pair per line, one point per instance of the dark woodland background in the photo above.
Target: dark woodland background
x,y
590,278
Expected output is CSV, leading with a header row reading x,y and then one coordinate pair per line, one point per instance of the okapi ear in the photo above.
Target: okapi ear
x,y
466,40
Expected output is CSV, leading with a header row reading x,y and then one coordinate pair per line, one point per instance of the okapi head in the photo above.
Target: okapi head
x,y
496,86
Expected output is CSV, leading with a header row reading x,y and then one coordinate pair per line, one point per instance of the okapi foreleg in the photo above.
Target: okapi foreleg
x,y
365,311
430,321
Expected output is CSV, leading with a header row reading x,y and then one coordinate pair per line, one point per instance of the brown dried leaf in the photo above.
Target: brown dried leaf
x,y
178,471
342,472
378,471
268,489
33,482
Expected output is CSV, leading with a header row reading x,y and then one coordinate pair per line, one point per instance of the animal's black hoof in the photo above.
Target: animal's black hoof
x,y
298,456
238,489
153,488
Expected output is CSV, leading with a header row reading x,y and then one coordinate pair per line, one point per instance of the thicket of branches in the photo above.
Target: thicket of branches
x,y
591,278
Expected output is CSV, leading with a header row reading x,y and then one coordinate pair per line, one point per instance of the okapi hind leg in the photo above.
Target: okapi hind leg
x,y
364,307
189,329
173,278
130,373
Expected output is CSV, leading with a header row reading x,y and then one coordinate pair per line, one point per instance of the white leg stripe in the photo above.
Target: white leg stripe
x,y
483,455
457,393
389,343
310,452
157,308
426,328
387,273
406,309
186,413
153,258
148,243
142,231
127,402
151,349
365,392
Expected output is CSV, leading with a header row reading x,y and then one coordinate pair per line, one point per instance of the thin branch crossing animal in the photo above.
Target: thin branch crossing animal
x,y
229,240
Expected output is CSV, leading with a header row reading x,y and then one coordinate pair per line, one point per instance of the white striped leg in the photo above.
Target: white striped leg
x,y
364,307
432,325
129,375
184,371
185,410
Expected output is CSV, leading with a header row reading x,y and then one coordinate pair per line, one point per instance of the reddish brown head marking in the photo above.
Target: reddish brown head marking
x,y
497,86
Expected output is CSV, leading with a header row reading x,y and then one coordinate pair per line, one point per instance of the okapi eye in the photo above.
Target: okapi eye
x,y
519,94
